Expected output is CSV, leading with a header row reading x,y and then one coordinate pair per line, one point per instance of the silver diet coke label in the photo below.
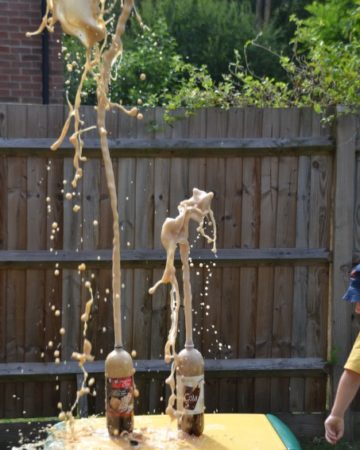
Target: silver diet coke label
x,y
190,394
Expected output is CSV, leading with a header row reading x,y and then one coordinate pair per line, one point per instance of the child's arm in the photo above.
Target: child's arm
x,y
348,386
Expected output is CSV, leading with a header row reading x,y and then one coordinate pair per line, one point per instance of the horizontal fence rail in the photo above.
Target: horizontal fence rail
x,y
168,147
157,258
158,368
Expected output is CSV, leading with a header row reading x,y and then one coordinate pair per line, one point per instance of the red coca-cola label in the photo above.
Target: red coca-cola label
x,y
120,396
121,383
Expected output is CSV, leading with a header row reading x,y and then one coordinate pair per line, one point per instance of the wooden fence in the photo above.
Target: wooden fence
x,y
268,313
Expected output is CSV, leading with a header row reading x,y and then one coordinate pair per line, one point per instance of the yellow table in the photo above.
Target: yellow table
x,y
222,432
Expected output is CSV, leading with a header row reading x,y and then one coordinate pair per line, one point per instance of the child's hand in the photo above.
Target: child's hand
x,y
334,429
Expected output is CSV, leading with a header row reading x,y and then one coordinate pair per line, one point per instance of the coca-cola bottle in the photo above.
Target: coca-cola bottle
x,y
119,392
190,390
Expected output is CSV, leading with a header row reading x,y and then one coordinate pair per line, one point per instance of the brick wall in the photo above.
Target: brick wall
x,y
21,79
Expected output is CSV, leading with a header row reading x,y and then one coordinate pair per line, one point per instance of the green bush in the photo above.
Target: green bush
x,y
319,443
152,52
239,88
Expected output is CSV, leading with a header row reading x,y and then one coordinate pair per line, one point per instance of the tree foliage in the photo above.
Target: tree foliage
x,y
325,68
331,22
322,71
208,31
203,53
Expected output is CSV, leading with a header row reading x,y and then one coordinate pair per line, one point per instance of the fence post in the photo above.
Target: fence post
x,y
343,228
